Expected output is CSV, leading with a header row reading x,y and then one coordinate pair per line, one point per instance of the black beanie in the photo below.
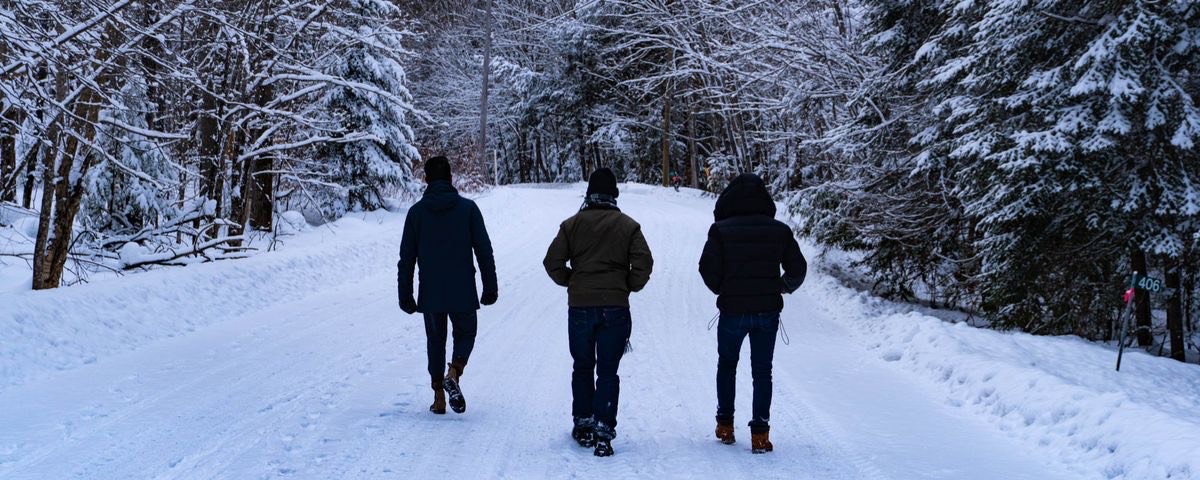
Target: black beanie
x,y
603,182
437,168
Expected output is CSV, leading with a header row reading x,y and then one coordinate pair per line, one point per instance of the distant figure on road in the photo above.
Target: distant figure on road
x,y
440,233
609,258
741,260
676,181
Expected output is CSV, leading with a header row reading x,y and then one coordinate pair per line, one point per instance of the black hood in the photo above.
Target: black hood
x,y
745,195
441,196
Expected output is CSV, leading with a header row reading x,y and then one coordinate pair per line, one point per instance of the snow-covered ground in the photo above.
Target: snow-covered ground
x,y
298,363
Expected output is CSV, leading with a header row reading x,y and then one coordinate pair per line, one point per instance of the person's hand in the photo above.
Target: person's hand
x,y
408,305
489,298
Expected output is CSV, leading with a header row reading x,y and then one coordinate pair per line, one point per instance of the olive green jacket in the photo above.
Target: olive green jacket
x,y
608,258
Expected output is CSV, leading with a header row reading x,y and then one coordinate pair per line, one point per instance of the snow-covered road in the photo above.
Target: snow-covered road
x,y
330,382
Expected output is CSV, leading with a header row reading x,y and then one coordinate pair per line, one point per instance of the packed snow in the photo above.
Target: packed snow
x,y
298,363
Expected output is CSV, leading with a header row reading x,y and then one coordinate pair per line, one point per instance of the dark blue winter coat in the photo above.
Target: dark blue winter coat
x,y
440,233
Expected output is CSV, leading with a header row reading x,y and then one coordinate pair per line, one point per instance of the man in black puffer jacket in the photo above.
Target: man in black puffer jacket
x,y
741,261
440,234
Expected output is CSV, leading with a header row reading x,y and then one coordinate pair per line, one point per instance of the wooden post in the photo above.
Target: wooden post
x,y
1142,309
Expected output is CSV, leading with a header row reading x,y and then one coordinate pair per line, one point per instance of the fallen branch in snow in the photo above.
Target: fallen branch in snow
x,y
170,257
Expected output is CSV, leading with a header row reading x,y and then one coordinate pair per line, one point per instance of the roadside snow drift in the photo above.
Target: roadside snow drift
x,y
61,329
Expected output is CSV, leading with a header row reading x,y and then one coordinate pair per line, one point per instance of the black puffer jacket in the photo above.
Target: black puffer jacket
x,y
746,248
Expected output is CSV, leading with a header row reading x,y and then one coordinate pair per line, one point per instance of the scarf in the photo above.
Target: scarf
x,y
600,201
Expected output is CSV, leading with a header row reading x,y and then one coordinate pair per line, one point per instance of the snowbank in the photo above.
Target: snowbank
x,y
1057,394
44,331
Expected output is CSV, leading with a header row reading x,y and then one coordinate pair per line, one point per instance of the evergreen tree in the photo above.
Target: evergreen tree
x,y
378,105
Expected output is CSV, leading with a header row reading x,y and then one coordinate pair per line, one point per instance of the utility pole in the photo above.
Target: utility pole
x,y
483,93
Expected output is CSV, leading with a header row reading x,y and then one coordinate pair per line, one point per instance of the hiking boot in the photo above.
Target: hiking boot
x,y
604,435
439,402
584,432
603,448
760,443
457,402
725,433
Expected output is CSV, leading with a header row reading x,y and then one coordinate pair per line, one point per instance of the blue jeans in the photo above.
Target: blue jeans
x,y
597,337
465,326
731,331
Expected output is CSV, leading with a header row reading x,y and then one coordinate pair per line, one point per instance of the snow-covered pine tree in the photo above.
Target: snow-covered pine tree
x,y
379,105
1041,143
1086,149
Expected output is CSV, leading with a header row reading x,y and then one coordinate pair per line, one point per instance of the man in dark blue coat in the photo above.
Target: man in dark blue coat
x,y
741,264
441,232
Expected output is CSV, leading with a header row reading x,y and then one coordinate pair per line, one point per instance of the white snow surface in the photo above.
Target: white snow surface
x,y
298,364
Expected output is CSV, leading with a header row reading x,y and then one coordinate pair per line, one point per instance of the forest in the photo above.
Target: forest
x,y
1015,161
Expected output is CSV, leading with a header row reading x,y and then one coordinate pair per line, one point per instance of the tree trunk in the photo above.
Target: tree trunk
x,y
31,169
483,92
1145,337
259,205
543,172
666,138
209,147
60,195
583,160
1175,312
9,127
522,160
693,162
231,201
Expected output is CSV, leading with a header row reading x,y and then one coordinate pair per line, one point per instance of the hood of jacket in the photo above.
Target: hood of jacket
x,y
441,196
745,195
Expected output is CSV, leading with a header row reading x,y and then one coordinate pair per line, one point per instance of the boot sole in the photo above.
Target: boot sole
x,y
456,400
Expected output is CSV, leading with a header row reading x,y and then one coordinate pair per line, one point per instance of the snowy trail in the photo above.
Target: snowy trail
x,y
333,385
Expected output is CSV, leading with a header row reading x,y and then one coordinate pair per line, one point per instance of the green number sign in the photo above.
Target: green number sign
x,y
1147,283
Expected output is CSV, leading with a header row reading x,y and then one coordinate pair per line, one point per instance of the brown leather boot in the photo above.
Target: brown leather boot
x,y
439,402
725,433
760,443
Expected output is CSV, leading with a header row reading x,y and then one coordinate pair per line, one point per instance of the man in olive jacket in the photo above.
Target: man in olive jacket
x,y
441,232
609,258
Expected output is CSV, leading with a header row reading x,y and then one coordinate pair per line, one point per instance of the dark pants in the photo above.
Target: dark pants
x,y
731,330
597,336
465,325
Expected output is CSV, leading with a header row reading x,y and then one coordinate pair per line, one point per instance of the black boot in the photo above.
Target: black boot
x,y
458,403
604,435
584,432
